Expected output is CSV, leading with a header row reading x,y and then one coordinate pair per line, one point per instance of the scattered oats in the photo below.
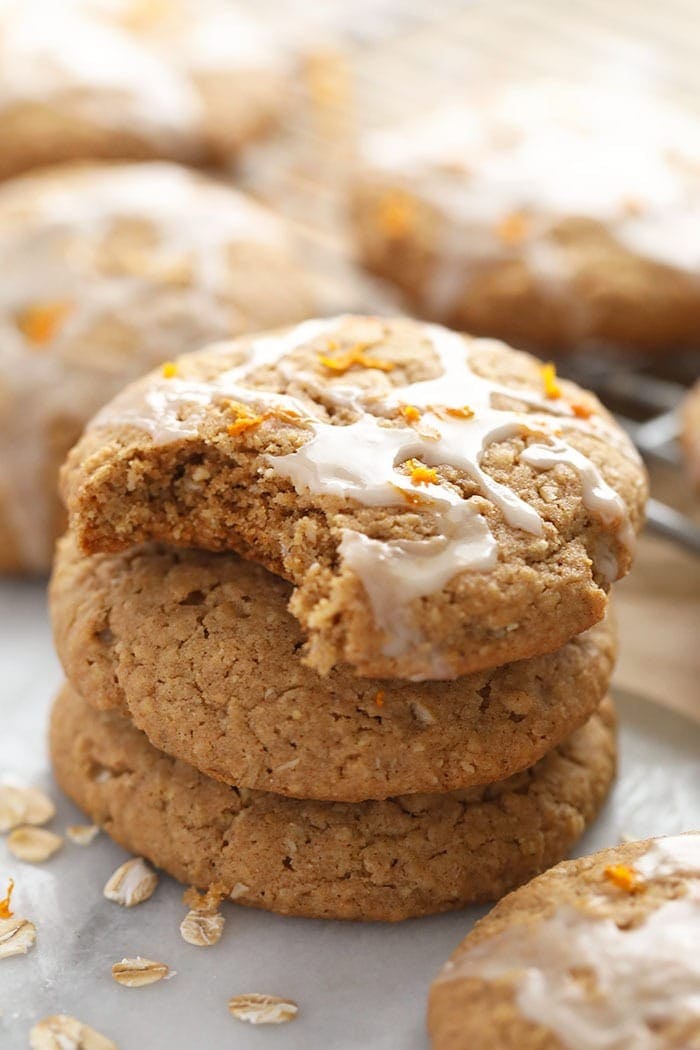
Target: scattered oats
x,y
132,883
262,1009
23,805
17,936
133,973
33,845
67,1033
202,928
82,834
239,890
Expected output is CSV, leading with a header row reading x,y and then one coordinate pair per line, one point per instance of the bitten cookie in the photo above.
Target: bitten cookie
x,y
187,80
599,952
200,652
690,435
107,270
442,504
546,216
411,855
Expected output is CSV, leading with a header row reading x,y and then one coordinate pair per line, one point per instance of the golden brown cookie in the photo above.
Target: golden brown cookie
x,y
690,435
200,652
545,216
598,952
411,855
187,80
442,504
108,270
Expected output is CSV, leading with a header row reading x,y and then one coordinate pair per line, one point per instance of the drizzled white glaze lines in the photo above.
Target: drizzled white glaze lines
x,y
644,975
361,461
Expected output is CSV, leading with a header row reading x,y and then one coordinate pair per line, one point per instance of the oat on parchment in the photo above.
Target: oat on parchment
x,y
132,883
256,1008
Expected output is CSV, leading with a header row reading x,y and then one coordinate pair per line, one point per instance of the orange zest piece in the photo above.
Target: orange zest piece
x,y
169,370
414,498
410,413
5,910
355,356
513,228
422,475
625,877
580,410
379,698
460,413
245,420
396,214
40,323
552,390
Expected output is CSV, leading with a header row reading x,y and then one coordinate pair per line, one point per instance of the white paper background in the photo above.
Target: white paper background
x,y
358,985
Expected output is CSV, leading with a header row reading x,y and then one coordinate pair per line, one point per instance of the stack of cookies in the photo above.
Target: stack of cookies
x,y
332,609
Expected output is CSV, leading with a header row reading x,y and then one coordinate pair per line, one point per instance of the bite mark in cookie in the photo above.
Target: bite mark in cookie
x,y
383,436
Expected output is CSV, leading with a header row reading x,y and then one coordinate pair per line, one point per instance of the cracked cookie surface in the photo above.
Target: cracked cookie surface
x,y
199,650
442,504
407,856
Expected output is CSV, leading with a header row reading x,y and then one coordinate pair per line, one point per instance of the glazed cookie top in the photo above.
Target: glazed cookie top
x,y
443,504
135,67
176,639
517,166
107,270
598,952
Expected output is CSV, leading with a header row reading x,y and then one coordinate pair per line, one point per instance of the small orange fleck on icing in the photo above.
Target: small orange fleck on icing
x,y
632,206
580,410
169,370
464,412
422,475
379,698
5,910
513,228
410,413
40,323
414,498
625,877
355,356
396,214
552,389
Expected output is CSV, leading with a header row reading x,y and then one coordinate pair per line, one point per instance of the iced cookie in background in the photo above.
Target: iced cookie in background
x,y
107,270
443,504
598,952
690,435
386,860
545,215
187,80
175,640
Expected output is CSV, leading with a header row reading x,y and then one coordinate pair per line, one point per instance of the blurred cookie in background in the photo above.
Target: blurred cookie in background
x,y
548,216
188,80
690,435
109,269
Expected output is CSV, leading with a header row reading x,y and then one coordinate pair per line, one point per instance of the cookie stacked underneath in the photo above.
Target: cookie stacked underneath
x,y
332,611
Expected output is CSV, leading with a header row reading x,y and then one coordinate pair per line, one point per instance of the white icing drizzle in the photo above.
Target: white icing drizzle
x,y
361,461
644,975
126,64
623,159
52,238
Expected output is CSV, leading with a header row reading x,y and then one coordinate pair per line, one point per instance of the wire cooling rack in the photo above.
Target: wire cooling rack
x,y
377,61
